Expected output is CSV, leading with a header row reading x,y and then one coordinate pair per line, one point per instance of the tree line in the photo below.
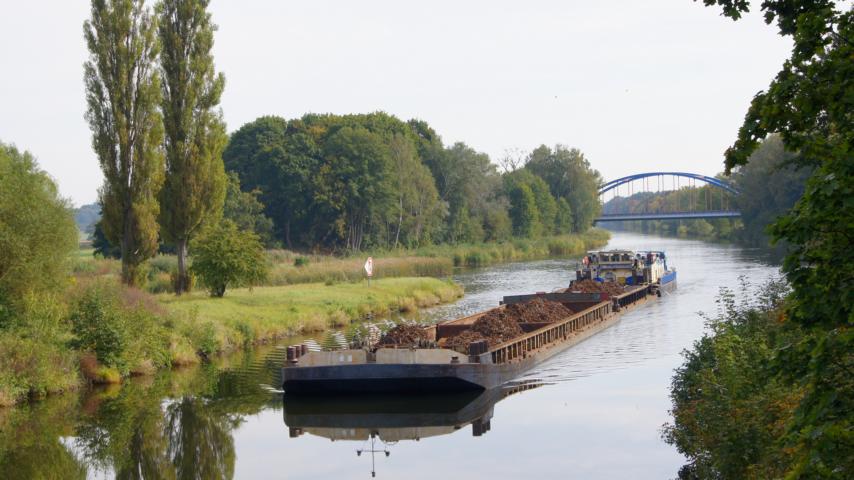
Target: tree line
x,y
350,182
326,182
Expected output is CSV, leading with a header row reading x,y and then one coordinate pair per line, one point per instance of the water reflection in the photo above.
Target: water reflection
x,y
378,423
143,430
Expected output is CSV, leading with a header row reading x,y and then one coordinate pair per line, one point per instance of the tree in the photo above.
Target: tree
x,y
545,203
354,182
102,246
122,95
37,231
466,179
810,104
224,256
246,211
769,187
403,163
563,217
569,175
524,212
277,158
194,190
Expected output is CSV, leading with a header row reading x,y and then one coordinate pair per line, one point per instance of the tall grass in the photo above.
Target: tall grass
x,y
265,313
330,269
477,255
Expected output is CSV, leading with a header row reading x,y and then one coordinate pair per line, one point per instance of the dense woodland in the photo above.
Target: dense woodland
x,y
352,182
341,184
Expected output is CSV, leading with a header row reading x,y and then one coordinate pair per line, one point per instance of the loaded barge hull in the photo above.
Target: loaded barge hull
x,y
421,370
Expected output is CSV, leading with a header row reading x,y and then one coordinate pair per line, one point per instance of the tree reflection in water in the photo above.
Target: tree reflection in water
x,y
31,441
200,445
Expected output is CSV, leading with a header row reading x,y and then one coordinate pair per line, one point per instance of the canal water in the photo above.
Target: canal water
x,y
594,411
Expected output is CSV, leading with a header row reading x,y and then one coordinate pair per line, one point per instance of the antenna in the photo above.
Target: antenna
x,y
373,451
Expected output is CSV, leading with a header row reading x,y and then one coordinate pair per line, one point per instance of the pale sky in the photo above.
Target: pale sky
x,y
636,85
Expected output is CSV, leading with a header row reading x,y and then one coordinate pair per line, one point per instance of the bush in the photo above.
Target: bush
x,y
163,264
120,326
100,328
29,367
730,410
301,261
37,230
226,257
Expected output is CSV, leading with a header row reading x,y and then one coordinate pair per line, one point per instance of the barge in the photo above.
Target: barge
x,y
430,368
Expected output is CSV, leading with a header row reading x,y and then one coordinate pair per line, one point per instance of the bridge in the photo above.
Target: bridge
x,y
666,196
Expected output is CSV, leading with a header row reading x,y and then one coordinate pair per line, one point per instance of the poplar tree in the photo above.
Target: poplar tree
x,y
122,95
195,186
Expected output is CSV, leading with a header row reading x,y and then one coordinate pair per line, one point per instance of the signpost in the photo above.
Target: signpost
x,y
369,269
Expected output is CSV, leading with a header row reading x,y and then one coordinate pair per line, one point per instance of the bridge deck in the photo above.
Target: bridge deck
x,y
666,216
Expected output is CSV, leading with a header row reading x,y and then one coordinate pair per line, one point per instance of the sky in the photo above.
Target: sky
x,y
637,86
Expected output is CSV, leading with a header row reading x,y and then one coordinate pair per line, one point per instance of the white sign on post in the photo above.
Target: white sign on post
x,y
369,266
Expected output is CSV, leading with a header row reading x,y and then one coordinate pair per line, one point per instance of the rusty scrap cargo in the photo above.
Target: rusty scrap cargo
x,y
480,351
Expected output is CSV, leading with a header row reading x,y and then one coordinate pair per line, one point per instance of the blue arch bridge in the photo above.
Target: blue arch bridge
x,y
634,197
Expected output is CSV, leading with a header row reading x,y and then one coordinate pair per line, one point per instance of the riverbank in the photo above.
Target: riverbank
x,y
263,314
103,332
293,268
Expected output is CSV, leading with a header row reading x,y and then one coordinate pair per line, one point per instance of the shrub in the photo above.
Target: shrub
x,y
225,256
163,264
301,261
100,328
37,230
120,326
29,367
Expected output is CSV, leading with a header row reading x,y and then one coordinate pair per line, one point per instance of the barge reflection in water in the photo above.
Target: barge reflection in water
x,y
383,420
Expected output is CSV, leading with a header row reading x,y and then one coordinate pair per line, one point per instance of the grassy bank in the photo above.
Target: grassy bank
x,y
265,313
103,332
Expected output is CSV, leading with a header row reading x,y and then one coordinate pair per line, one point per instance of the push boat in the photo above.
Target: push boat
x,y
429,368
627,267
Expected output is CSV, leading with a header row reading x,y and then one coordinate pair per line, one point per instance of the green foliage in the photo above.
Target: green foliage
x,y
101,329
729,409
809,105
33,367
102,245
524,212
115,324
246,210
224,256
195,185
569,175
37,231
563,217
355,182
301,261
122,96
497,223
277,164
770,185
